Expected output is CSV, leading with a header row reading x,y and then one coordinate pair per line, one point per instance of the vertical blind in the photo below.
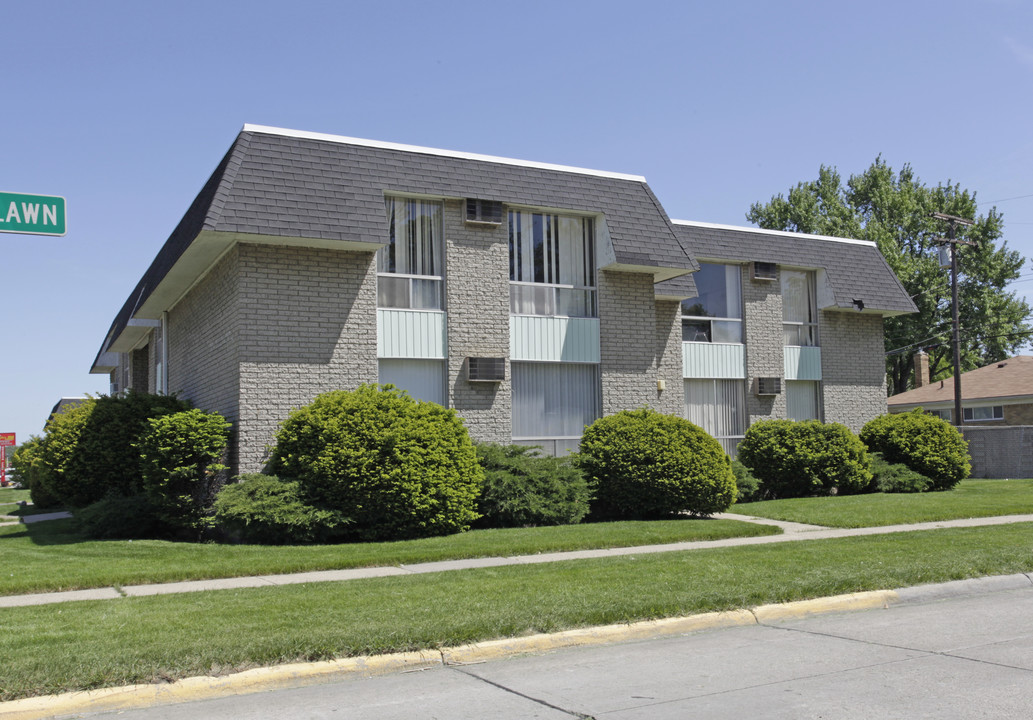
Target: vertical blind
x,y
554,400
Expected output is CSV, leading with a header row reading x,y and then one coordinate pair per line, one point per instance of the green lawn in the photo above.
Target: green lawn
x,y
971,498
115,642
9,498
51,555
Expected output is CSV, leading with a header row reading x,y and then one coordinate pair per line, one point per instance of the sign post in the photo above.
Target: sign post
x,y
32,214
6,441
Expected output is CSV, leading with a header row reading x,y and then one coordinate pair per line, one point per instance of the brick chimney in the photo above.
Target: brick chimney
x,y
921,369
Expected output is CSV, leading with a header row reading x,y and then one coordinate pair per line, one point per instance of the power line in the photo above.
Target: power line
x,y
1005,199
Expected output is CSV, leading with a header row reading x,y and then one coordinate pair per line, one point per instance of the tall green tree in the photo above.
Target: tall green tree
x,y
894,210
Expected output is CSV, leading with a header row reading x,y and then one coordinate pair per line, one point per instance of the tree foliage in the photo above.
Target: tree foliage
x,y
894,211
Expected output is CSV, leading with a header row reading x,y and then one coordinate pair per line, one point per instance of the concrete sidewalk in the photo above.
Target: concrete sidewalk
x,y
792,532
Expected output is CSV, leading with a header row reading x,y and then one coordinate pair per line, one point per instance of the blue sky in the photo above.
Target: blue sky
x,y
125,108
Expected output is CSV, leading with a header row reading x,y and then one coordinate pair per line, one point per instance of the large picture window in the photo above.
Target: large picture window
x,y
410,268
716,314
553,402
551,265
799,308
719,407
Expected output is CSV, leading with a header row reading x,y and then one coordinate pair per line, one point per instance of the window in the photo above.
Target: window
x,y
719,407
803,400
551,265
983,413
716,314
799,308
410,268
553,402
942,414
422,379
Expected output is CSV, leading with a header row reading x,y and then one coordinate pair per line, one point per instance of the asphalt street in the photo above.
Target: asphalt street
x,y
966,656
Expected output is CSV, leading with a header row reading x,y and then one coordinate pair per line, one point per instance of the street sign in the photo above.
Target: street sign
x,y
32,214
7,440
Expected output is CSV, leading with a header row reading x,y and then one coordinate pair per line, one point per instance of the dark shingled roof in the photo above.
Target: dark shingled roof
x,y
278,183
855,269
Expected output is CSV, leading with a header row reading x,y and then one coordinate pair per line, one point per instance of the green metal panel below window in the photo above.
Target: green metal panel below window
x,y
718,361
802,363
411,334
553,339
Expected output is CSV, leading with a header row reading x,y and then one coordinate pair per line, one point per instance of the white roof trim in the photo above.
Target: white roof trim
x,y
783,233
435,151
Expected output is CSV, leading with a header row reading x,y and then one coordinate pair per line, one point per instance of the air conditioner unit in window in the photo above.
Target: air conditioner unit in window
x,y
763,271
483,212
482,369
769,385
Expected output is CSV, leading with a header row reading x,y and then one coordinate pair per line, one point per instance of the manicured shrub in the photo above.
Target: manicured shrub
x,y
181,466
47,465
29,471
120,517
925,443
799,459
399,468
105,459
523,488
897,477
643,464
747,486
264,509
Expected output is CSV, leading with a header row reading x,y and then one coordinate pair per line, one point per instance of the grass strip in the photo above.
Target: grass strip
x,y
52,556
108,643
970,499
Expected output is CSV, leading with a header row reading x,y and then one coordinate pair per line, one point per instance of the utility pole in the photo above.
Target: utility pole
x,y
953,221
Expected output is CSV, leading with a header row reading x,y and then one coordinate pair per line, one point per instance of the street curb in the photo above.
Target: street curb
x,y
314,673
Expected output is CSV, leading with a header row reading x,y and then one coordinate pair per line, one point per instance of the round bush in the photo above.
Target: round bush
x,y
523,488
799,459
747,486
925,443
897,477
264,509
643,464
46,465
397,467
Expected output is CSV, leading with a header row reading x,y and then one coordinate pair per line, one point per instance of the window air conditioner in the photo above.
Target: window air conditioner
x,y
769,385
483,212
481,369
763,271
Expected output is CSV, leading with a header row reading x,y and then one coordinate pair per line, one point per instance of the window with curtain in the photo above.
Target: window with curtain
x,y
715,315
422,379
799,308
551,265
719,407
553,402
803,400
410,268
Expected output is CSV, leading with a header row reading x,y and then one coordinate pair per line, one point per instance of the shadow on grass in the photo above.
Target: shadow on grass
x,y
50,532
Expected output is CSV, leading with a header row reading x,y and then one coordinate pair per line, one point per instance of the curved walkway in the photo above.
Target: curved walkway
x,y
792,532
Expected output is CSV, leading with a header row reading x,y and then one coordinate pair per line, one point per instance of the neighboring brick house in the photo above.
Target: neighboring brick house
x,y
998,394
531,298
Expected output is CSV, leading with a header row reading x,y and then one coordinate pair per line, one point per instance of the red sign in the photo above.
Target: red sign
x,y
7,440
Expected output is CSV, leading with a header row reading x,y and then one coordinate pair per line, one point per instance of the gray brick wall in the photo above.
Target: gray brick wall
x,y
138,369
477,303
853,367
1000,452
202,336
669,358
628,344
308,324
762,329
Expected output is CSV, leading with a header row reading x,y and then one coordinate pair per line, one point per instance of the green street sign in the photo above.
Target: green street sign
x,y
32,214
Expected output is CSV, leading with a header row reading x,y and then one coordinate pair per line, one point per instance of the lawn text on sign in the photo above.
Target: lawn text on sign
x,y
32,214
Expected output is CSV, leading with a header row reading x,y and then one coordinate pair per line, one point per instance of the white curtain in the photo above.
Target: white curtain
x,y
415,244
422,379
551,249
802,400
717,406
554,400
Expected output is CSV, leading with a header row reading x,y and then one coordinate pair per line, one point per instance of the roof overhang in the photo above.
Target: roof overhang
x,y
191,266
